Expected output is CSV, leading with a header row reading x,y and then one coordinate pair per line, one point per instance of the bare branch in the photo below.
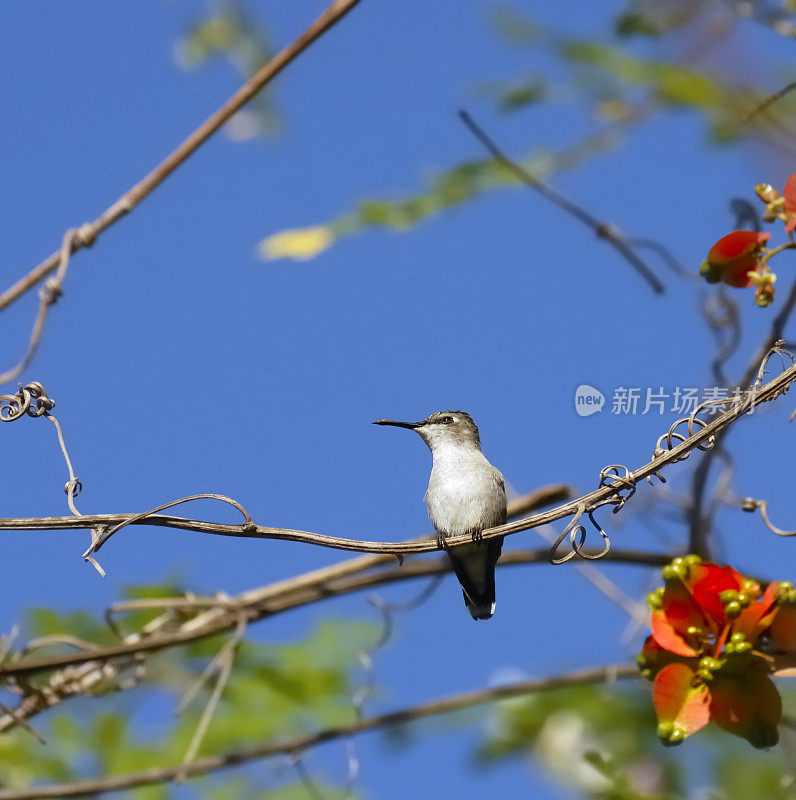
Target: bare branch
x,y
769,101
48,296
298,744
222,664
601,229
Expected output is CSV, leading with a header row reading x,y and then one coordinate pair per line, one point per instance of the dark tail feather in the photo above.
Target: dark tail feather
x,y
480,610
474,566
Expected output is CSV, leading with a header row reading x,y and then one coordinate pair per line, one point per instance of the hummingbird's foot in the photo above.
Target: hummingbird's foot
x,y
478,537
441,541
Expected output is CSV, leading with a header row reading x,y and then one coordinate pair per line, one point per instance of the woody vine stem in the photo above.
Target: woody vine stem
x,y
617,484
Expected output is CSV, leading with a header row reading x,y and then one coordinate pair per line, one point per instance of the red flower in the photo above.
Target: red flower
x,y
716,640
789,206
734,256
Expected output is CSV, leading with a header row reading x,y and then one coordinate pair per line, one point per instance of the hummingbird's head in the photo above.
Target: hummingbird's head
x,y
442,428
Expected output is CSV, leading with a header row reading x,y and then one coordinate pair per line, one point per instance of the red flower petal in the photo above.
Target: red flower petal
x,y
735,254
783,629
757,616
680,702
669,636
747,705
736,243
707,581
679,612
653,658
789,193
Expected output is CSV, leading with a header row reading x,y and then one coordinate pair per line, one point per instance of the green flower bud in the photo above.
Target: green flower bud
x,y
692,560
665,729
728,596
670,734
677,570
655,599
710,272
738,637
733,609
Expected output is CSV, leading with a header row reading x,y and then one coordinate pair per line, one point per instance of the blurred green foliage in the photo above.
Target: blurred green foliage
x,y
230,33
606,75
276,690
600,742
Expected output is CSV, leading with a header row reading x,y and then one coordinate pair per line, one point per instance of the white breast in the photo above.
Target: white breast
x,y
465,492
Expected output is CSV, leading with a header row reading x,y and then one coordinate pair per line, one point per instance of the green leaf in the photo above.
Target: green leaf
x,y
80,624
672,83
446,190
520,95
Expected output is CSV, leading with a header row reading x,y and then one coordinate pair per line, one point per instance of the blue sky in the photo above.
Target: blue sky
x,y
181,364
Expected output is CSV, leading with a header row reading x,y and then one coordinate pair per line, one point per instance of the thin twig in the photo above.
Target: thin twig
x,y
48,641
769,101
666,256
636,611
48,296
97,541
23,723
601,229
750,504
297,762
387,610
155,775
720,312
224,663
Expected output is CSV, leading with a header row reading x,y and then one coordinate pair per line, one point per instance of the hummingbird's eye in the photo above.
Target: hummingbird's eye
x,y
445,420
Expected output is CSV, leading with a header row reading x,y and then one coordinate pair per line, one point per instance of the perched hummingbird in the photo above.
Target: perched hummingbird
x,y
465,494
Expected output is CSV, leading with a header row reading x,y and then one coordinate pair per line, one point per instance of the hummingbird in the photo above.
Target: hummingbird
x,y
465,495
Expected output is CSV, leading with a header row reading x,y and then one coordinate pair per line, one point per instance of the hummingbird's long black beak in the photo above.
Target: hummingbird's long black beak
x,y
410,425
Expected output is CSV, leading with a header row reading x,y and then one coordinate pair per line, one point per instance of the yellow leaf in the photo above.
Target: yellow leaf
x,y
298,243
